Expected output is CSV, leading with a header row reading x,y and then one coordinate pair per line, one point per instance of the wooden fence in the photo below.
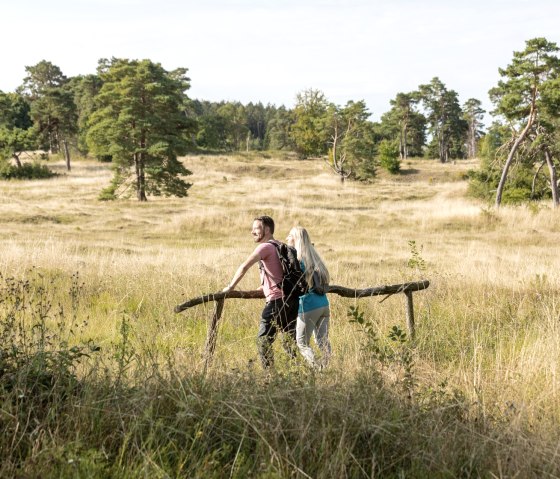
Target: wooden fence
x,y
219,298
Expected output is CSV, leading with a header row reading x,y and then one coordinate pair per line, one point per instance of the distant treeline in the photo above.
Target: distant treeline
x,y
136,114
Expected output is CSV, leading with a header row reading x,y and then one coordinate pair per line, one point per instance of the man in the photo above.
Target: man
x,y
279,312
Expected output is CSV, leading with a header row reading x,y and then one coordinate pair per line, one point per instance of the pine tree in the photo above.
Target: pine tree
x,y
309,132
139,121
445,119
529,93
473,113
52,107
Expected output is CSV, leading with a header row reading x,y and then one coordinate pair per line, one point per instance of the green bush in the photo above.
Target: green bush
x,y
27,171
107,194
483,184
516,195
389,156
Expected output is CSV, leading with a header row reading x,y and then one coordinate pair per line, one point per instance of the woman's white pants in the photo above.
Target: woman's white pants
x,y
314,322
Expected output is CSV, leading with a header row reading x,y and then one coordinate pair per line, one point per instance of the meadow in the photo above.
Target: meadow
x,y
100,377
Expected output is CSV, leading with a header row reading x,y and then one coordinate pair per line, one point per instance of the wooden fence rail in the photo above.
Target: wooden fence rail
x,y
220,297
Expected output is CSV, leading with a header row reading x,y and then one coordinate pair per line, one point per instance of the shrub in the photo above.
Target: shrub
x,y
27,171
482,184
389,156
107,194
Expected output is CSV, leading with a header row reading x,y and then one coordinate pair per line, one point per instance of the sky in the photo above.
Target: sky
x,y
270,50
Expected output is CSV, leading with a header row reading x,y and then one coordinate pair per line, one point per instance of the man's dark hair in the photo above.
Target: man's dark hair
x,y
266,221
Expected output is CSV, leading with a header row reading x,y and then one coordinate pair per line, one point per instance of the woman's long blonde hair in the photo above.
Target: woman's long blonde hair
x,y
307,253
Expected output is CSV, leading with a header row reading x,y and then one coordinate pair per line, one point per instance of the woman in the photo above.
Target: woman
x,y
314,311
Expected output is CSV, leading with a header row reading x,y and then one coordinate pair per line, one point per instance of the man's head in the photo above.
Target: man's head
x,y
263,228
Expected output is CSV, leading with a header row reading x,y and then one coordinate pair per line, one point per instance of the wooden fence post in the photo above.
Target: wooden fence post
x,y
410,314
220,297
212,333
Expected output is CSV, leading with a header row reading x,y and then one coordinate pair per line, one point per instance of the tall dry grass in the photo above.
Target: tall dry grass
x,y
485,361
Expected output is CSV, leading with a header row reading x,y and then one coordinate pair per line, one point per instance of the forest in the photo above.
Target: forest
x,y
138,116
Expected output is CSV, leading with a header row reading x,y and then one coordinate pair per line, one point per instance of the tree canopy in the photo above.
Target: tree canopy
x,y
140,123
137,115
528,98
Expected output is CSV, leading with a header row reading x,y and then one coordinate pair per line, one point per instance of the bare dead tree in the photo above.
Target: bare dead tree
x,y
338,159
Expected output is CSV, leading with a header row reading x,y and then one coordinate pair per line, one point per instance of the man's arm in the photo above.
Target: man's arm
x,y
250,261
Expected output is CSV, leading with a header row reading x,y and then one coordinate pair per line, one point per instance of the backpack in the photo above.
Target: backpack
x,y
293,280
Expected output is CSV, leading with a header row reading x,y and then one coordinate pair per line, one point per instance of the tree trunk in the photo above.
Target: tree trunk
x,y
511,156
16,158
473,140
142,182
534,182
441,147
54,143
405,141
338,161
553,178
334,144
66,153
140,178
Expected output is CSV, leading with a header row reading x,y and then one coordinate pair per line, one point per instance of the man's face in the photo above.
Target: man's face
x,y
257,231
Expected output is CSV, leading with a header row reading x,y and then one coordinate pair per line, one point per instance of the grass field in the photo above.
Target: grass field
x,y
475,395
